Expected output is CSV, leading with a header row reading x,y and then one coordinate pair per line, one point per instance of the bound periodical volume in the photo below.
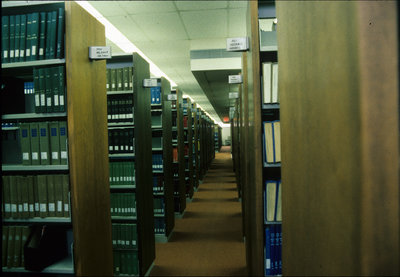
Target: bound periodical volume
x,y
32,36
126,262
155,93
121,141
159,206
120,79
157,161
122,173
269,83
120,108
272,201
273,250
123,204
124,236
39,196
272,142
159,225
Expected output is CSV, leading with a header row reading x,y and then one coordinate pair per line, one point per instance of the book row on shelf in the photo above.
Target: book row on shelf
x,y
124,235
273,250
122,173
159,226
121,141
32,36
119,79
35,196
123,204
120,108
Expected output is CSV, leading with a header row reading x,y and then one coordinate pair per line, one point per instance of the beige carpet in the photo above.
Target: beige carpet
x,y
208,240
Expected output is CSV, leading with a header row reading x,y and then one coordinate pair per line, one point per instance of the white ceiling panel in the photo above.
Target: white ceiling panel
x,y
200,5
161,26
206,24
172,49
108,8
237,4
237,23
128,27
149,7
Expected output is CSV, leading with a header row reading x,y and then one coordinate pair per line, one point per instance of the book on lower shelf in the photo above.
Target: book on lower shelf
x,y
272,201
272,142
273,250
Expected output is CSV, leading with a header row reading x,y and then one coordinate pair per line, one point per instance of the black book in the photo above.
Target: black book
x,y
17,37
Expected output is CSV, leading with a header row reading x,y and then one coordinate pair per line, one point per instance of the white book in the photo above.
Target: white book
x,y
275,95
267,72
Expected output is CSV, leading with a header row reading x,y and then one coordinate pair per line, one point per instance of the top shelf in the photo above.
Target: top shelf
x,y
11,4
26,68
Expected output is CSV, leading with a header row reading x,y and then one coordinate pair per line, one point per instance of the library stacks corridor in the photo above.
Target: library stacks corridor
x,y
208,240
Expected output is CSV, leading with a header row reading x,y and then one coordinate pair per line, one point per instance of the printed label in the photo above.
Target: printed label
x,y
43,155
7,207
37,208
55,100
37,100
52,207
5,54
35,156
49,101
14,208
11,53
61,100
17,53
54,155
26,207
41,51
66,207
43,207
31,208
33,50
25,156
21,53
59,206
64,154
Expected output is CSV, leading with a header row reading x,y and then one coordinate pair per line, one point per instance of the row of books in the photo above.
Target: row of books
x,y
44,143
121,141
185,121
158,184
120,108
120,79
159,205
273,250
33,36
13,241
123,204
155,95
122,173
157,162
272,201
175,154
126,263
269,83
159,225
35,196
49,89
272,142
29,88
124,236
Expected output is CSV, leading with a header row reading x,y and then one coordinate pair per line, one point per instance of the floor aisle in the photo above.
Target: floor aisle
x,y
208,240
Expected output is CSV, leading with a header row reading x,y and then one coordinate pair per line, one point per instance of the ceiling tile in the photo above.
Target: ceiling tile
x,y
108,8
128,27
200,5
205,24
237,4
237,23
142,7
162,26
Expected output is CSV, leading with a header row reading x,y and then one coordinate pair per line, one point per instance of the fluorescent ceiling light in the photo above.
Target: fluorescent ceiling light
x,y
122,41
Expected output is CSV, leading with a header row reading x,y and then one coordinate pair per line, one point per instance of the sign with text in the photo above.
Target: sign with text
x,y
237,44
233,95
150,83
172,97
99,52
235,79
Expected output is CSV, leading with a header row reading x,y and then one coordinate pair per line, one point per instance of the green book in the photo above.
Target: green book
x,y
25,143
60,34
36,196
119,78
4,245
31,196
42,90
108,74
24,196
55,87
61,89
66,197
5,39
10,246
48,35
54,142
28,37
112,204
117,262
12,38
113,235
42,35
124,263
25,232
49,89
17,247
58,194
7,197
22,38
35,143
113,79
42,195
135,263
44,143
123,235
130,76
63,131
34,36
36,90
125,78
110,173
17,37
20,207
51,195
52,33
134,236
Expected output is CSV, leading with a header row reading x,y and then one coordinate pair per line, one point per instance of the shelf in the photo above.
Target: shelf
x,y
55,220
272,222
29,64
156,127
5,4
158,171
118,92
156,149
158,193
122,187
270,106
156,110
159,215
121,125
32,116
130,218
64,266
127,155
34,167
272,48
10,128
272,165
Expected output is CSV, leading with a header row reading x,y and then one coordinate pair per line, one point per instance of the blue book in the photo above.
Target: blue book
x,y
280,250
158,95
267,251
272,249
153,98
277,257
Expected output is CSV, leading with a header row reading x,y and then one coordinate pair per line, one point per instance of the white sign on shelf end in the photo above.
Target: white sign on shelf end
x,y
235,79
237,44
149,83
99,52
233,95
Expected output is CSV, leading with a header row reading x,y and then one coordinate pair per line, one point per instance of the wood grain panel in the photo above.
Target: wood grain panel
x,y
167,156
143,165
181,156
88,145
339,125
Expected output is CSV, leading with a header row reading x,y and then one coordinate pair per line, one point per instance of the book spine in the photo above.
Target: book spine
x,y
42,36
28,42
22,42
17,37
34,36
49,89
5,39
44,143
60,34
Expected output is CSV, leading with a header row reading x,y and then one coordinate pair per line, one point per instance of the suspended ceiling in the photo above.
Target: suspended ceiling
x,y
167,32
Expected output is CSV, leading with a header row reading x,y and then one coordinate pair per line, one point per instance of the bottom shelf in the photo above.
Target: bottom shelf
x,y
64,266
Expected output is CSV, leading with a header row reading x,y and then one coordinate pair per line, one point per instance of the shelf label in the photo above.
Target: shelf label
x,y
237,44
149,83
99,52
233,95
235,79
172,97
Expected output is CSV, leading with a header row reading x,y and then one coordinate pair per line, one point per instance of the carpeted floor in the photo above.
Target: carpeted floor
x,y
208,239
